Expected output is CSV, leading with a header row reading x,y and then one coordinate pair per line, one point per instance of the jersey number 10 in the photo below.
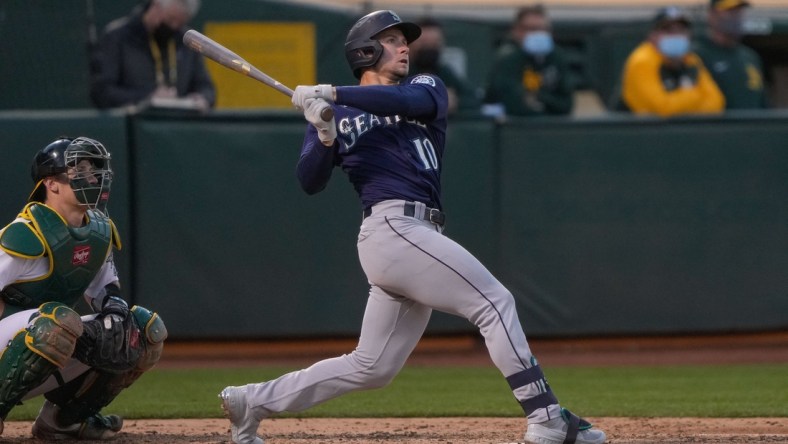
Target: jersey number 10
x,y
426,153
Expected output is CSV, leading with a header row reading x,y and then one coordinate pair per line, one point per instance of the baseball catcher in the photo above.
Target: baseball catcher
x,y
57,251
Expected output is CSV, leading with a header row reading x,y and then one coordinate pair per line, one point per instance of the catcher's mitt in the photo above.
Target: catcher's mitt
x,y
111,343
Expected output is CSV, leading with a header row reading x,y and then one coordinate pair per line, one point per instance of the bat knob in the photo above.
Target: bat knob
x,y
327,114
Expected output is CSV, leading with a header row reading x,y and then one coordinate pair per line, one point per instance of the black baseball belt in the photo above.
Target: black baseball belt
x,y
432,215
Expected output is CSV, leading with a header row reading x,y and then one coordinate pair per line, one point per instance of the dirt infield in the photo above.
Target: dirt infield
x,y
752,348
437,431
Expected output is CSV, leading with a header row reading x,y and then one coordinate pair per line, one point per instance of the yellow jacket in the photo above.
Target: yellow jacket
x,y
649,87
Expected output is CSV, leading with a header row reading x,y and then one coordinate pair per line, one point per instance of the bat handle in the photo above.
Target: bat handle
x,y
327,114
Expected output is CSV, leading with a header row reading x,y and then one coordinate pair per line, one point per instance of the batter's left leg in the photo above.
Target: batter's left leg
x,y
436,271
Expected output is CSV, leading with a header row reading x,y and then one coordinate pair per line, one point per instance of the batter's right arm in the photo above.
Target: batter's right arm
x,y
425,97
315,164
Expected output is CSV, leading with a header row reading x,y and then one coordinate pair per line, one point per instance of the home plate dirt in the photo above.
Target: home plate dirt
x,y
705,350
436,430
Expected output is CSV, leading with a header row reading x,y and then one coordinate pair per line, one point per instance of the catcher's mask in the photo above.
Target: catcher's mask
x,y
90,180
361,48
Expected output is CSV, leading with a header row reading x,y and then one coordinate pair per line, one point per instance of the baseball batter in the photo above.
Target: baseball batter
x,y
57,251
388,135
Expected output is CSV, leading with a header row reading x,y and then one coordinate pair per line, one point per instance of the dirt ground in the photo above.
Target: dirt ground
x,y
749,348
438,431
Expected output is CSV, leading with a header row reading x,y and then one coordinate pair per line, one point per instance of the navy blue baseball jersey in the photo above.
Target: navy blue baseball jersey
x,y
390,142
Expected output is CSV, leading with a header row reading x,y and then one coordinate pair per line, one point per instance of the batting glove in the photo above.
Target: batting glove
x,y
326,131
302,93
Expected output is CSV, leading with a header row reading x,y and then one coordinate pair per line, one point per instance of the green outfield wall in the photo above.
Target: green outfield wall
x,y
599,227
651,227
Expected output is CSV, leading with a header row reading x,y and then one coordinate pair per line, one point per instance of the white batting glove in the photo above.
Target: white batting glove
x,y
326,131
304,92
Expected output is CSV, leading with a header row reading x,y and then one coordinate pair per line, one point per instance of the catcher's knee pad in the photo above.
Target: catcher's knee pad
x,y
53,333
36,352
154,331
95,389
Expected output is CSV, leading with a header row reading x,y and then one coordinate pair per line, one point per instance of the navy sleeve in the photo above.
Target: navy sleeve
x,y
424,96
315,164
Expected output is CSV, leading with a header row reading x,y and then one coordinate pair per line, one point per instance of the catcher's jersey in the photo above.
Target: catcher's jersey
x,y
392,151
72,261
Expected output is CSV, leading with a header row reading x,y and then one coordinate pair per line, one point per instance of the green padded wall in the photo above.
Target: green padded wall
x,y
598,227
646,227
232,246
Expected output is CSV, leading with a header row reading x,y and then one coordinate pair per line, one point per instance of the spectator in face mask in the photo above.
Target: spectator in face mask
x,y
736,68
426,57
530,75
663,77
142,58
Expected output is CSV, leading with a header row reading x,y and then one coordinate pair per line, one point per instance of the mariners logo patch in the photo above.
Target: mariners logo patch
x,y
425,80
81,255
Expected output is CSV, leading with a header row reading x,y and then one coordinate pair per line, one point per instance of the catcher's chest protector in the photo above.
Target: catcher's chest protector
x,y
75,257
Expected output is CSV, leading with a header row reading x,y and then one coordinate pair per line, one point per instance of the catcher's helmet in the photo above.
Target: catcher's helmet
x,y
362,50
91,185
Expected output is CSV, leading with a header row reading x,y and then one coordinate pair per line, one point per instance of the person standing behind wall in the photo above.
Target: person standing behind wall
x,y
663,77
530,76
426,58
142,57
737,69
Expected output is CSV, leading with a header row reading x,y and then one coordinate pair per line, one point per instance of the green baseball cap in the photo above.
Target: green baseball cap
x,y
725,5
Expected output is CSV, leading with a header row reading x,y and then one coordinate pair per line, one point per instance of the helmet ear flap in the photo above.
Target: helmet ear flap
x,y
363,54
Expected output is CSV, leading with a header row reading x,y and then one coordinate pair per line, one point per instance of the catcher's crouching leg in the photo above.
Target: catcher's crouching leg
x,y
37,352
72,410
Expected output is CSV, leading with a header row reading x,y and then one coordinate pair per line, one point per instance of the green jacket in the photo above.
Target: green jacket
x,y
528,86
737,71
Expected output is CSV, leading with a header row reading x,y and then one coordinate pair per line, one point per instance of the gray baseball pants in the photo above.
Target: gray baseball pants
x,y
412,269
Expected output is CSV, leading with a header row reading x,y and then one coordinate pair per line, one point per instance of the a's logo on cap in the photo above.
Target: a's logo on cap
x,y
81,255
394,16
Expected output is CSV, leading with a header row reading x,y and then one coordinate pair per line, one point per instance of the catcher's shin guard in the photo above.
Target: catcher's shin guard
x,y
87,395
36,352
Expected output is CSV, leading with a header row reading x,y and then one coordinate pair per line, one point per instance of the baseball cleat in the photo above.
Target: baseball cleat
x,y
244,420
566,429
96,428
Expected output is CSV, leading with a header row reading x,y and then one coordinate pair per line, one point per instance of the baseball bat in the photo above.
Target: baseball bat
x,y
219,54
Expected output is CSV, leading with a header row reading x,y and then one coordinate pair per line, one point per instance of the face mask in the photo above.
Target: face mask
x,y
732,26
163,33
538,43
426,60
674,46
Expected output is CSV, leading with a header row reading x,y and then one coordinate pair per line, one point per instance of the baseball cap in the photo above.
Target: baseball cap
x,y
671,14
724,5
